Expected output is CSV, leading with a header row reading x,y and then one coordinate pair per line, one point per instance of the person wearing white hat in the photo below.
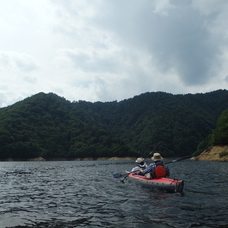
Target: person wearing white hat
x,y
141,165
156,169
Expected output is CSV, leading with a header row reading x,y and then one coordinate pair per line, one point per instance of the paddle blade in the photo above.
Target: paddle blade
x,y
119,175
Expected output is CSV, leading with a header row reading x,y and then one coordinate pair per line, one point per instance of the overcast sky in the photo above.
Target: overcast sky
x,y
106,50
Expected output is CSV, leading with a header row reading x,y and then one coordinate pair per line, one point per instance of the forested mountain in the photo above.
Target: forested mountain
x,y
180,122
218,137
50,126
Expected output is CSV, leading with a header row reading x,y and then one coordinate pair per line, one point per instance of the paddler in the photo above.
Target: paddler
x,y
141,165
156,169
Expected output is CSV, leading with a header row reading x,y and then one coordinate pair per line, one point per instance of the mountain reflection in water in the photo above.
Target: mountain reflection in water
x,y
85,194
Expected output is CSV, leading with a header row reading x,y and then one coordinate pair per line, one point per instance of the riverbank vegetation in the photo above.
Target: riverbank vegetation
x,y
217,137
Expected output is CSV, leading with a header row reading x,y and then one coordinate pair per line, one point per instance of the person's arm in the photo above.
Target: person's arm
x,y
135,169
146,170
140,173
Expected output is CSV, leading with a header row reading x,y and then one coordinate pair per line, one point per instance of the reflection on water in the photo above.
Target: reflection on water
x,y
84,194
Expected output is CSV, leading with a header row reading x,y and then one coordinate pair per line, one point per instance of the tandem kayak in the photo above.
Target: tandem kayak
x,y
164,184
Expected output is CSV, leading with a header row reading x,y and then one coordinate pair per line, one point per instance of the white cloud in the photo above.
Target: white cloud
x,y
18,61
106,50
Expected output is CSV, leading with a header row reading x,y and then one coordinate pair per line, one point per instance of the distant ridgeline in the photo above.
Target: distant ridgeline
x,y
49,126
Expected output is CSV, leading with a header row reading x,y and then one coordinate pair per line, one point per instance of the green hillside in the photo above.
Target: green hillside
x,y
218,137
50,126
45,125
180,122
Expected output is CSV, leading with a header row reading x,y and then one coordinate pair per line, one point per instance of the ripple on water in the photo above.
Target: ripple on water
x,y
84,194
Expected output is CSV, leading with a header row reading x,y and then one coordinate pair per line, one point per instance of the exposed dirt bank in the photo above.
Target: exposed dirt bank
x,y
213,154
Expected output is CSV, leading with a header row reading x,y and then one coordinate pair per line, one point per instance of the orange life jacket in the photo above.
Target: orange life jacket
x,y
160,171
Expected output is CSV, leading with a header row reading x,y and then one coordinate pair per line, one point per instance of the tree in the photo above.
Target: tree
x,y
220,134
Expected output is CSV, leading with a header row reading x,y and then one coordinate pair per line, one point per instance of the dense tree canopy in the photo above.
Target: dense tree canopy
x,y
50,126
220,134
44,125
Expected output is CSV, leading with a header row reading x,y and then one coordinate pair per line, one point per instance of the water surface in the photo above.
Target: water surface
x,y
85,194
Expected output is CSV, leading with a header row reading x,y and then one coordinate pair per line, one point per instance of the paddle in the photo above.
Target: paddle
x,y
120,175
144,158
179,159
153,150
125,177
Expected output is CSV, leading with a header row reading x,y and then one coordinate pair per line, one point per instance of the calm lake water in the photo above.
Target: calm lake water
x,y
85,194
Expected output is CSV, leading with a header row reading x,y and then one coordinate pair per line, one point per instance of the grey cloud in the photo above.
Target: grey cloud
x,y
226,78
95,63
180,39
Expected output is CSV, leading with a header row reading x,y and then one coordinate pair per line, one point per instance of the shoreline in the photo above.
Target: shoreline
x,y
74,159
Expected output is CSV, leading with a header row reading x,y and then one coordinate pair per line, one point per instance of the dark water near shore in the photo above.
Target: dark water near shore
x,y
85,194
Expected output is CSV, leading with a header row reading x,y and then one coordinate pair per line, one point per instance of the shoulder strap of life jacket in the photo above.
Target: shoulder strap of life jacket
x,y
160,171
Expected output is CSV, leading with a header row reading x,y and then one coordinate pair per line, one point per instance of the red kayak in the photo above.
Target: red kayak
x,y
164,184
